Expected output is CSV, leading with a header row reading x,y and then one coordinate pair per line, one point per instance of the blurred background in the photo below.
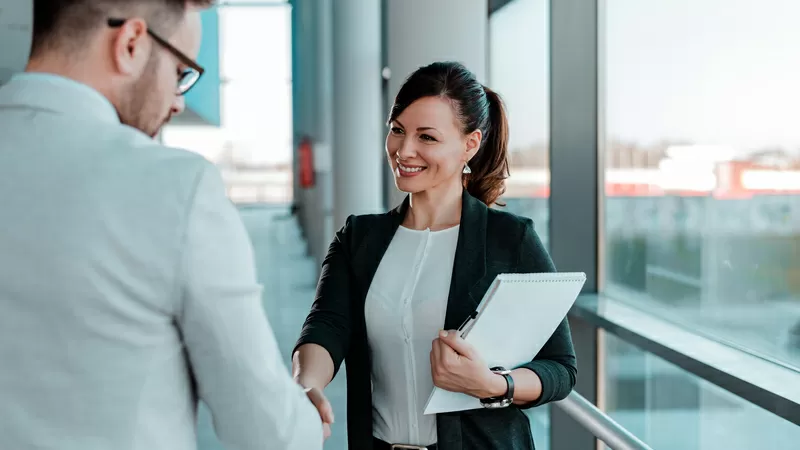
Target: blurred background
x,y
654,144
670,123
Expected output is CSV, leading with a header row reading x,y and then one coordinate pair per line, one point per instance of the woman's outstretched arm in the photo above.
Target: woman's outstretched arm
x,y
312,366
325,337
328,323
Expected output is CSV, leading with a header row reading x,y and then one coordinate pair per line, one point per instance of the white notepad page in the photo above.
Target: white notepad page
x,y
516,317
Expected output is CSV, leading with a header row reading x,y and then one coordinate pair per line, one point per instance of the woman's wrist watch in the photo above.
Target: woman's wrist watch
x,y
504,400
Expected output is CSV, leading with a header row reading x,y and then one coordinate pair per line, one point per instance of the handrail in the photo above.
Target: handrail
x,y
599,424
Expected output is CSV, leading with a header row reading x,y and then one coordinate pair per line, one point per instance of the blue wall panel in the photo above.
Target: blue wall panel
x,y
204,98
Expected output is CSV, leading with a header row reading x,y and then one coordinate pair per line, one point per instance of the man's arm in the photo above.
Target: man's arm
x,y
235,358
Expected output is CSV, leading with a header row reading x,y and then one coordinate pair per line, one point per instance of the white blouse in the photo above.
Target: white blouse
x,y
405,309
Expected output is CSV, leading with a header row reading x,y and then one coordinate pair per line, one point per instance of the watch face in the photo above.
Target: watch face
x,y
500,370
497,404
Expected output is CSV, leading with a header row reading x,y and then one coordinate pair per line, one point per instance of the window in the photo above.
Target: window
x,y
253,147
702,177
667,407
239,3
518,71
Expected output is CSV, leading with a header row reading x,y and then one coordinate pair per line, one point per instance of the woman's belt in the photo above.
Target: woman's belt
x,y
380,445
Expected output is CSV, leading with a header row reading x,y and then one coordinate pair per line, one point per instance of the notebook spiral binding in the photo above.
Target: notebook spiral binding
x,y
533,278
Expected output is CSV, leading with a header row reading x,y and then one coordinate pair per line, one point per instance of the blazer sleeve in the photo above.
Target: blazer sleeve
x,y
328,323
555,364
233,352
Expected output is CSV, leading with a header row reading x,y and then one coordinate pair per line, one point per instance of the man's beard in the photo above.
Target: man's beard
x,y
140,106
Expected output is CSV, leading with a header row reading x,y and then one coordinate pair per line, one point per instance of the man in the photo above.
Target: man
x,y
127,286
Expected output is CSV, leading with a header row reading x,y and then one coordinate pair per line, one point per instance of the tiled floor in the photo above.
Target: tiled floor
x,y
289,279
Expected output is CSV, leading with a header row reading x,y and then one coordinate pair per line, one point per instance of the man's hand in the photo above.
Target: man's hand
x,y
324,407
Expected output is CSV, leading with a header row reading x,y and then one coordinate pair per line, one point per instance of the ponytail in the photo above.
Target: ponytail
x,y
490,165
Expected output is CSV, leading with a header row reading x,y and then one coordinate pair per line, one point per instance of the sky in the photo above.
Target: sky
x,y
716,72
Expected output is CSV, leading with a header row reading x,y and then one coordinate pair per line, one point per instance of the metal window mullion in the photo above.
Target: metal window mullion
x,y
575,189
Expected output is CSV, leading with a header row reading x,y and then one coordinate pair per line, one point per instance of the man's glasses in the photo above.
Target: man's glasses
x,y
188,77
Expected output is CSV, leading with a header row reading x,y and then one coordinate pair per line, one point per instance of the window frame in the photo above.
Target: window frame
x,y
577,168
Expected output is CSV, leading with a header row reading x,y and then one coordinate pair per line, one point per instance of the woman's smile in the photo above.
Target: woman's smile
x,y
408,170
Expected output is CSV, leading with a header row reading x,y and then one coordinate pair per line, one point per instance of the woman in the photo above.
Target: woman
x,y
392,283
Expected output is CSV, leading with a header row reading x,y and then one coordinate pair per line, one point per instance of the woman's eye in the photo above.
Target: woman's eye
x,y
426,137
396,130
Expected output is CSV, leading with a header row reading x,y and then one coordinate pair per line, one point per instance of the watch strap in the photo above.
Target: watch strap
x,y
503,400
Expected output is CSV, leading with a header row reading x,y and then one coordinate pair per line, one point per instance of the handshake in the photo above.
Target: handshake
x,y
324,407
455,366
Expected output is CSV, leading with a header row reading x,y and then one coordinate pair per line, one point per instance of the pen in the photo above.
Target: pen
x,y
471,316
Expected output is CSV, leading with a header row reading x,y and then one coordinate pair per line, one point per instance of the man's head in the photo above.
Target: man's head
x,y
138,53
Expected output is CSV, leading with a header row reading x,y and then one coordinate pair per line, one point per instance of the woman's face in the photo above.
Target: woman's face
x,y
426,147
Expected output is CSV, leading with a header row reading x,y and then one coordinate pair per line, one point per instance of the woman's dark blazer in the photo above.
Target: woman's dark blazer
x,y
490,242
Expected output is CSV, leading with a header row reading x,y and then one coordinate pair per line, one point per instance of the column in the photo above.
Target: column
x,y
296,201
575,102
318,215
357,157
421,32
323,150
303,94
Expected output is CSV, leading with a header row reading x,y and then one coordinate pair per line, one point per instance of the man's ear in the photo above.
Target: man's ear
x,y
131,47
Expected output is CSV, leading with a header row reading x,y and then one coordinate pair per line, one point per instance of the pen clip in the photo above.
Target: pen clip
x,y
463,325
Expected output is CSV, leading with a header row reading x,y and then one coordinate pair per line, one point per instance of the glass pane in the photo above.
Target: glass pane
x,y
669,408
261,3
540,426
256,44
519,71
703,166
253,147
522,80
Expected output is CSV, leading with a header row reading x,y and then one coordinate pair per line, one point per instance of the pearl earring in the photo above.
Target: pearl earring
x,y
467,169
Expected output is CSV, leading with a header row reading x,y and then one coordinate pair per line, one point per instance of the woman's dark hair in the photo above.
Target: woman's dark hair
x,y
477,108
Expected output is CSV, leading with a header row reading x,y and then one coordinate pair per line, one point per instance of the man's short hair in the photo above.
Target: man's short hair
x,y
66,24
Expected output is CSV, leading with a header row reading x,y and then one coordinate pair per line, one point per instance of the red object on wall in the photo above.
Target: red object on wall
x,y
306,155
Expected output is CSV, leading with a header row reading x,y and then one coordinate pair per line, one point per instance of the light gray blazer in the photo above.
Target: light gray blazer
x,y
127,290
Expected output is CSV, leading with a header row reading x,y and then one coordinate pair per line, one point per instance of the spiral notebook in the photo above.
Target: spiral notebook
x,y
513,321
